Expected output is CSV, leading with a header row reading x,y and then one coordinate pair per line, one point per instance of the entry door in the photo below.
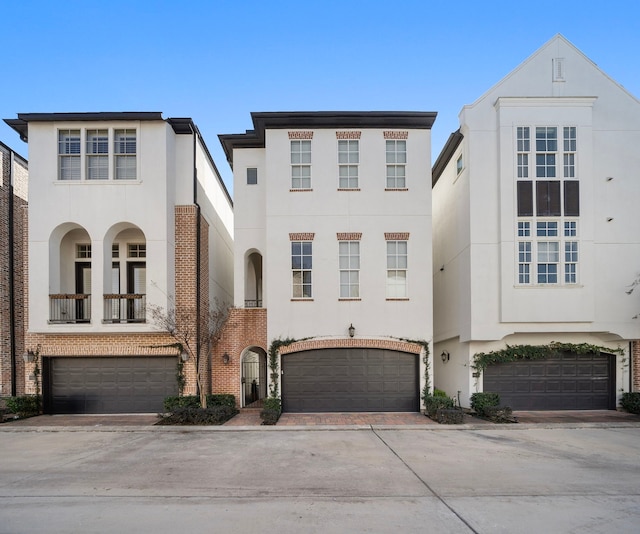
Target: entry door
x,y
83,287
137,284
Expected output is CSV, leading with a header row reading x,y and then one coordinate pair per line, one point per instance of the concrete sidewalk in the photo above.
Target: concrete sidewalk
x,y
251,419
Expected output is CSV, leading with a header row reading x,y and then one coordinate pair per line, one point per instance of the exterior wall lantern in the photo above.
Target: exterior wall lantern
x,y
184,356
29,356
445,356
226,358
352,330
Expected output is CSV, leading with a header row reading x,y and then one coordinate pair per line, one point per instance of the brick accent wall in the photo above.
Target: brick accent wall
x,y
13,197
301,135
187,220
245,327
388,344
348,135
635,369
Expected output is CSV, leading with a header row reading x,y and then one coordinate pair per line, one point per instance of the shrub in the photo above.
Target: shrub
x,y
499,414
432,404
24,406
221,399
171,404
439,393
631,402
447,416
271,410
480,401
195,415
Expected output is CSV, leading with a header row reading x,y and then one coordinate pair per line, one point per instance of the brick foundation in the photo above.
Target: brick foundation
x,y
635,365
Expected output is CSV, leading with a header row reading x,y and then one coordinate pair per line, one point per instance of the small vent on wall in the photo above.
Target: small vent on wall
x,y
558,69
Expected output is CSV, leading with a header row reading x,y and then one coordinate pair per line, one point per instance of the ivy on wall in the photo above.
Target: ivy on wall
x,y
425,359
275,346
513,353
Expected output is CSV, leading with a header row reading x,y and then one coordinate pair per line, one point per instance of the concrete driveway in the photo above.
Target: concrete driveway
x,y
412,479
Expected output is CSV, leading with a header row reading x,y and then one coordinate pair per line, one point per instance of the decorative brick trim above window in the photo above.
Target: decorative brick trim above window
x,y
388,344
301,135
302,236
396,236
348,135
349,236
393,134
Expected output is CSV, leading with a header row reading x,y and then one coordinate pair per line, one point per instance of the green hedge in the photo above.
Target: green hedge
x,y
271,410
194,415
171,404
24,406
631,402
481,401
432,404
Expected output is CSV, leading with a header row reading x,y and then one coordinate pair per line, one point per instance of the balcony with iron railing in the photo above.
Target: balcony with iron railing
x,y
69,308
253,303
125,308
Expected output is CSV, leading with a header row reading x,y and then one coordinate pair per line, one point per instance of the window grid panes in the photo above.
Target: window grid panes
x,y
69,154
136,250
97,149
301,268
396,157
548,204
397,269
125,150
300,164
83,251
349,260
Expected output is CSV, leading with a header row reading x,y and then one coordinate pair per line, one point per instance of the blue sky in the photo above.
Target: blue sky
x,y
216,61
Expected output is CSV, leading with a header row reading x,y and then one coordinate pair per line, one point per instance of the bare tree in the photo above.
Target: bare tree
x,y
632,287
193,335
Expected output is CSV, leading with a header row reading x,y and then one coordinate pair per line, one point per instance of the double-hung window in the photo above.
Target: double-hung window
x,y
300,164
125,154
301,268
349,259
396,156
397,269
97,154
69,154
348,159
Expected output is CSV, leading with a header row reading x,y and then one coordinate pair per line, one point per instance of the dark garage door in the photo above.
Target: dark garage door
x,y
350,380
108,385
566,382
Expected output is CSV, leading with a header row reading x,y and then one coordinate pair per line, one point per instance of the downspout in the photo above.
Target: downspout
x,y
12,315
198,250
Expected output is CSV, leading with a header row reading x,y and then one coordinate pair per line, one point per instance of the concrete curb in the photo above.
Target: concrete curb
x,y
315,428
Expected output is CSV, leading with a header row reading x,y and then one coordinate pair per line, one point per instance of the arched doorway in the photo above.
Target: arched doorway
x,y
254,375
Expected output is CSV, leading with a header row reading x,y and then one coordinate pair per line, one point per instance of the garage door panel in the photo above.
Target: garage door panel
x,y
350,380
565,382
109,384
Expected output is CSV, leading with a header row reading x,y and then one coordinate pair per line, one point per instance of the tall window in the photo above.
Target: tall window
x,y
300,164
125,154
301,266
97,155
396,155
396,269
548,202
69,154
349,259
348,159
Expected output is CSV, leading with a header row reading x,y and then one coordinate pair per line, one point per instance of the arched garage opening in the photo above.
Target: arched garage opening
x,y
350,379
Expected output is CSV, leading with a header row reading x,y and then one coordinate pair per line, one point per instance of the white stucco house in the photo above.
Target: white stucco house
x,y
333,242
127,211
535,225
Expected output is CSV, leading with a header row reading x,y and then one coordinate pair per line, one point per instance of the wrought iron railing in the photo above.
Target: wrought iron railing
x,y
125,308
70,308
253,303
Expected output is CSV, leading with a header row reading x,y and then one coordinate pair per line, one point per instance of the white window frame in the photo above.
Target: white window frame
x,y
396,159
125,150
300,163
349,266
302,270
348,161
69,154
397,269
